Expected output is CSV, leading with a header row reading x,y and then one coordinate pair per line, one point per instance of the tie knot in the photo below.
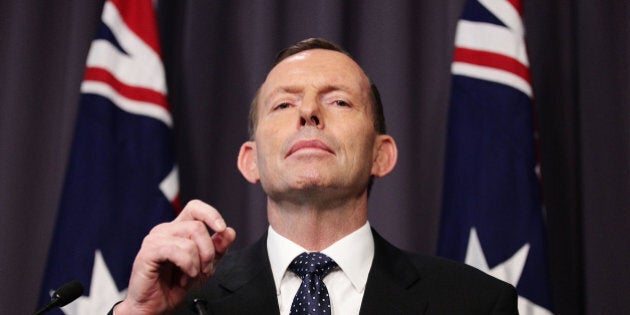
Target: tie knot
x,y
312,263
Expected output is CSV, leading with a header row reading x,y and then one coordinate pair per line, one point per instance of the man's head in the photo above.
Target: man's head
x,y
319,43
314,128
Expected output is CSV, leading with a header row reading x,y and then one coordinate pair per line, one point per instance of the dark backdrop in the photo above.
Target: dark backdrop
x,y
217,53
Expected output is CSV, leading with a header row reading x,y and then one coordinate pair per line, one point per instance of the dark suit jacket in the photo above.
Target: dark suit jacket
x,y
398,283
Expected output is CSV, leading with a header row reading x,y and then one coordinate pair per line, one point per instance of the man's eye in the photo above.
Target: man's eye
x,y
341,103
282,106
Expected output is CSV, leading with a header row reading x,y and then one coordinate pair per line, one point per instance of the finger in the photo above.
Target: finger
x,y
223,240
210,249
201,211
220,242
196,231
181,252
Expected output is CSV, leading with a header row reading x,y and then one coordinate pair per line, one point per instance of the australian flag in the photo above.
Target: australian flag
x,y
492,216
121,178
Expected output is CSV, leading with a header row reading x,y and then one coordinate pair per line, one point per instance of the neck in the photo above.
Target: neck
x,y
316,226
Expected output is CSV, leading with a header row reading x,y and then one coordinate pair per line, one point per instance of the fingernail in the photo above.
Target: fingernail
x,y
220,224
207,269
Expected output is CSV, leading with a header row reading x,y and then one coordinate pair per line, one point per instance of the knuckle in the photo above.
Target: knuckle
x,y
198,227
194,203
188,246
158,229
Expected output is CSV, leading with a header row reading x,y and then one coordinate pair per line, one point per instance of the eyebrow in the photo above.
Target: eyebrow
x,y
296,89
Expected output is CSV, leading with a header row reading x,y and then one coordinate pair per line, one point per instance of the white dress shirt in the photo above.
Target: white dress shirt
x,y
346,285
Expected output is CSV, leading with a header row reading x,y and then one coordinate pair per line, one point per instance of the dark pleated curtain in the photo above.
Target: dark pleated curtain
x,y
217,54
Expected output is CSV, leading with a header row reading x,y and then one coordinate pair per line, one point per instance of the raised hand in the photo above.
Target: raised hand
x,y
176,257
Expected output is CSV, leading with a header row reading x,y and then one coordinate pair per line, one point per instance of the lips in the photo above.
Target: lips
x,y
308,144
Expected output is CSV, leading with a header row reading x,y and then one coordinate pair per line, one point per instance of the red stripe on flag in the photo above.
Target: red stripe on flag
x,y
128,91
517,5
492,60
177,204
139,16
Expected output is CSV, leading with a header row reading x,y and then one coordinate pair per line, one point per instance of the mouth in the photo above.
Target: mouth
x,y
308,144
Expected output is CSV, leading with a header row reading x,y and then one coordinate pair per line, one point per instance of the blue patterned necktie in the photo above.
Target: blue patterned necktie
x,y
312,296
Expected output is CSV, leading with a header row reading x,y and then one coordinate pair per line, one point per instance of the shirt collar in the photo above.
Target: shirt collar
x,y
353,253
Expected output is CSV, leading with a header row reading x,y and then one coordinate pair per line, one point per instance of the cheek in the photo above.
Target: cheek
x,y
360,151
263,154
272,131
268,150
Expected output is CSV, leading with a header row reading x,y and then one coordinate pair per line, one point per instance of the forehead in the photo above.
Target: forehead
x,y
316,67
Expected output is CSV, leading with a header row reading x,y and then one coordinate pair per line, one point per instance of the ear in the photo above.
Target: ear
x,y
385,155
247,163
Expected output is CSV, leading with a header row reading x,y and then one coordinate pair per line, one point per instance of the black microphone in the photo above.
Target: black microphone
x,y
198,304
64,295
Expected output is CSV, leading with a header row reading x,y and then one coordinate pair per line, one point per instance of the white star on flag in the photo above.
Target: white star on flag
x,y
509,271
103,291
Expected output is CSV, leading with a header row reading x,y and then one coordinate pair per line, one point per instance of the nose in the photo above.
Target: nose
x,y
312,121
310,114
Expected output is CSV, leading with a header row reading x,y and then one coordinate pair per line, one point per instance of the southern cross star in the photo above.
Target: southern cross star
x,y
509,271
103,291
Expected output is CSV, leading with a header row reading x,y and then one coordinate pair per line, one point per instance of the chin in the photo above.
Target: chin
x,y
310,183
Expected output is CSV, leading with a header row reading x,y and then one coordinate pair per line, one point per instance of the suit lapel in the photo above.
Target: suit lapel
x,y
392,286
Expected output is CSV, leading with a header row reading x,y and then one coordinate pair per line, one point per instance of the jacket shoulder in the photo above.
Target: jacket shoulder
x,y
452,273
422,284
457,287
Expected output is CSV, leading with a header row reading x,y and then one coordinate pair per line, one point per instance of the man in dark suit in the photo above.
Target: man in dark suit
x,y
317,141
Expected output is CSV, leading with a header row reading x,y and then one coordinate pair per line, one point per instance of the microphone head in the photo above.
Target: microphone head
x,y
68,293
197,302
